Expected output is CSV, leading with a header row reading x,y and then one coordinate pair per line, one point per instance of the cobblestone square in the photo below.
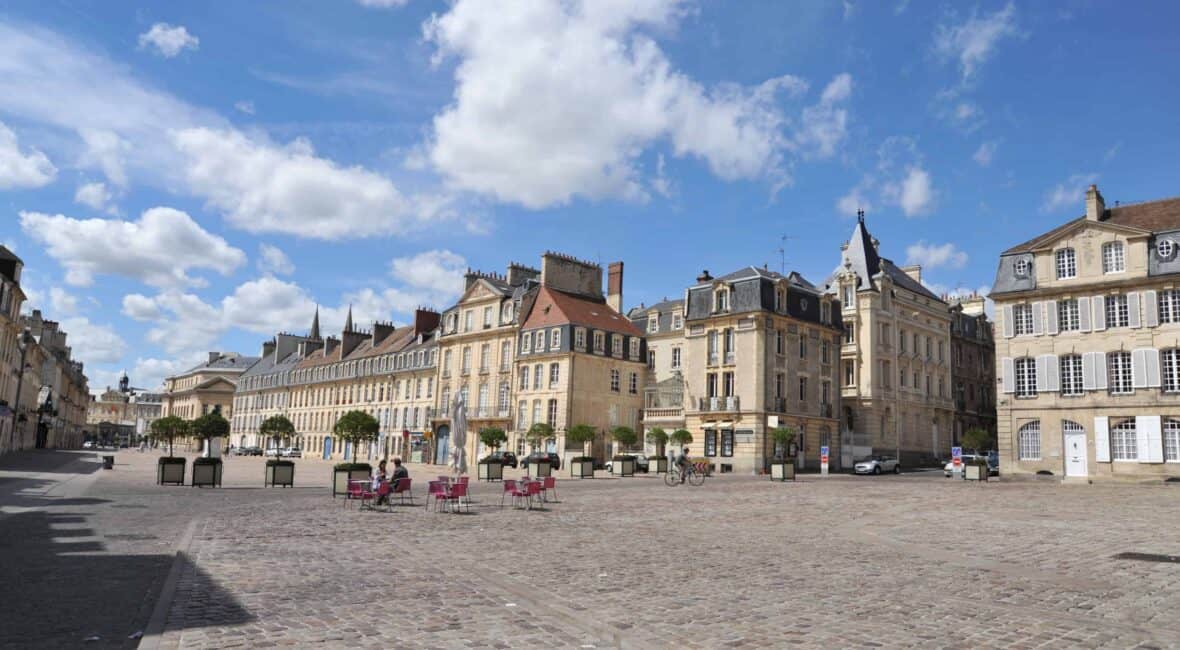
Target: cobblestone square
x,y
899,561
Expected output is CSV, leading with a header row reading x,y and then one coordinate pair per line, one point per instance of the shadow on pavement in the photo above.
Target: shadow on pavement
x,y
52,461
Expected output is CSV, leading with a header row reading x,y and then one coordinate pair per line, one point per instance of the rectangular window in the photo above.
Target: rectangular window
x,y
465,362
614,381
802,345
1124,441
1066,264
727,442
580,339
599,342
538,376
617,345
677,321
554,374
468,321
1067,315
675,358
779,342
779,385
553,413
526,343
555,339
727,384
653,323
522,415
803,389
710,442
711,385
849,296
849,373
1071,374
1113,260
505,356
485,356
1170,360
825,353
1169,306
901,339
487,317
1118,370
651,359
1117,314
1022,319
848,333
539,341
633,384
1026,377
634,356
524,377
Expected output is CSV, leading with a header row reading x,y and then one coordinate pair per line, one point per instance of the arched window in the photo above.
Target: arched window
x,y
1171,440
1123,441
1029,441
1066,264
1113,260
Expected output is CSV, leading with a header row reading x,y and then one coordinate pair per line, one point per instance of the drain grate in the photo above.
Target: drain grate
x,y
1148,557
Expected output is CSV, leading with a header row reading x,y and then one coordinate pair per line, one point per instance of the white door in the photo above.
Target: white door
x,y
1075,454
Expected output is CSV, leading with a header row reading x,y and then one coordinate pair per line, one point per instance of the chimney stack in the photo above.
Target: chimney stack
x,y
614,286
268,347
1095,205
214,356
704,276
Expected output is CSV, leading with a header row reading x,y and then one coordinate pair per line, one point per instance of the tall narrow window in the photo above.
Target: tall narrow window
x,y
554,374
1029,441
1124,441
1067,315
524,377
675,358
538,375
1071,374
1118,370
1170,365
1066,264
1022,319
1113,260
1117,314
1169,306
1026,377
1171,440
614,381
633,384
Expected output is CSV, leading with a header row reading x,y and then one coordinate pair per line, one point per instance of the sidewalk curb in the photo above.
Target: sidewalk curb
x,y
154,633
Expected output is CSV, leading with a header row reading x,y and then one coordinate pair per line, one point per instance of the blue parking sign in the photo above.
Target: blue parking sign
x,y
957,452
823,451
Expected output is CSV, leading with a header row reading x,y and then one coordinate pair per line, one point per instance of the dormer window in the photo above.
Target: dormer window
x,y
721,300
1066,264
1165,248
780,300
677,321
1022,267
653,323
506,313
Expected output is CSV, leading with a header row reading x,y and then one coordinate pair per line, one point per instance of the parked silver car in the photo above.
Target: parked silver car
x,y
877,465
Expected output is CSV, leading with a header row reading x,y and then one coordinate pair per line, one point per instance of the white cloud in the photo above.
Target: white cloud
x,y
932,256
985,154
915,194
558,100
974,41
91,342
149,372
95,196
271,259
244,106
382,4
439,272
22,169
158,249
1112,151
263,187
825,125
168,40
106,151
1069,194
852,202
900,179
140,307
62,302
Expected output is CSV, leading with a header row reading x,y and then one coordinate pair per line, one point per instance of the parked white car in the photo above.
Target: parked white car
x,y
292,452
993,464
89,444
877,465
274,451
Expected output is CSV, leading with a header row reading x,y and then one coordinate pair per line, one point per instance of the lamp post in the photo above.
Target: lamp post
x,y
22,342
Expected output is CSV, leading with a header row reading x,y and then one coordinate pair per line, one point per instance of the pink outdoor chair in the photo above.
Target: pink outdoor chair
x,y
456,497
510,490
402,488
356,490
549,485
436,489
369,498
532,490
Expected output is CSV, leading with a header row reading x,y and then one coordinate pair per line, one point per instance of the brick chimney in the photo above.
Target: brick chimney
x,y
268,347
381,331
330,345
426,320
350,339
1095,205
614,286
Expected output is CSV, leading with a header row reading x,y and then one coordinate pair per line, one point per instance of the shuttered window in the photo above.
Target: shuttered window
x,y
1022,319
1119,373
1071,374
1067,315
1171,440
1169,306
1124,441
1170,363
1117,313
1026,377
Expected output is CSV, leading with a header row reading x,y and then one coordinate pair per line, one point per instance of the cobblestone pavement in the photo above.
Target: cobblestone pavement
x,y
909,561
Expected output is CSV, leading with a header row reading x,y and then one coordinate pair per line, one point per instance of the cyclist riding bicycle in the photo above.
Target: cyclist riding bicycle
x,y
682,463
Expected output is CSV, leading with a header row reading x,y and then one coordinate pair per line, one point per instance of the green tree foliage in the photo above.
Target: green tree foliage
x,y
977,439
493,437
782,437
625,436
659,438
681,437
538,434
581,434
276,427
168,429
356,427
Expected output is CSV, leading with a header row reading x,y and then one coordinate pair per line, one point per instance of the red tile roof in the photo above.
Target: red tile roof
x,y
554,307
1152,216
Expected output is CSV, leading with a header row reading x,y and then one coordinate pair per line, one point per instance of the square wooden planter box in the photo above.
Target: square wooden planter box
x,y
341,477
206,475
277,475
623,467
975,472
782,471
582,469
539,470
491,472
170,472
657,465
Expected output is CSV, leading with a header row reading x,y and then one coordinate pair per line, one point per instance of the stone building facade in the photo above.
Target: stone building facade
x,y
895,357
205,388
662,325
12,340
973,367
1088,345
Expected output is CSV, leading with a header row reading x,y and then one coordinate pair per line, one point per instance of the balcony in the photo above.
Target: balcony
x,y
777,405
675,412
719,404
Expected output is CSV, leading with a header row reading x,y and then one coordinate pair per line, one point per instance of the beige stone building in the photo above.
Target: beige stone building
x,y
973,366
205,388
1089,345
895,358
11,342
662,325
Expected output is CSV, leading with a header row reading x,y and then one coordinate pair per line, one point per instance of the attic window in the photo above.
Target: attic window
x,y
1022,267
1166,248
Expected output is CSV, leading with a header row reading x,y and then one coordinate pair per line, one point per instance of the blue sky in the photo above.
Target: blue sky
x,y
189,177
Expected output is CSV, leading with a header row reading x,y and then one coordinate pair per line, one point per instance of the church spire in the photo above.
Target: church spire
x,y
348,321
315,325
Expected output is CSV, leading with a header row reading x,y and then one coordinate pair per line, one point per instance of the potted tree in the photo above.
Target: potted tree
x,y
207,428
354,427
581,434
169,469
537,435
623,464
782,467
491,468
279,471
659,462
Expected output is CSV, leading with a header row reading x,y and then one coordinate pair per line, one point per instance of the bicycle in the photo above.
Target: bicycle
x,y
695,475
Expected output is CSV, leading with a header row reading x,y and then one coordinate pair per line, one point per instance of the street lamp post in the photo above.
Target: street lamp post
x,y
22,342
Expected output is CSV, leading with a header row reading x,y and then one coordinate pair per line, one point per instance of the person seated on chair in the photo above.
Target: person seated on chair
x,y
399,471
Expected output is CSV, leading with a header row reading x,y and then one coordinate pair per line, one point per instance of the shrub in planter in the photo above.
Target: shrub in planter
x,y
342,473
170,470
279,472
207,472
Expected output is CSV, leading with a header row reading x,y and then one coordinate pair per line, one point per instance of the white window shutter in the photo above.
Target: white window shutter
x,y
1102,439
1099,307
1051,316
1133,309
1149,439
1042,372
1008,329
1038,311
1084,314
1088,371
1053,370
1153,367
1099,370
1151,309
1138,369
1008,368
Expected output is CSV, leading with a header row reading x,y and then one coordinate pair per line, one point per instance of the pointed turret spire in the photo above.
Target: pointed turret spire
x,y
315,325
348,321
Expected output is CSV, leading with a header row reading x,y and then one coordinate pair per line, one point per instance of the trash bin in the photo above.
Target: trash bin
x,y
108,462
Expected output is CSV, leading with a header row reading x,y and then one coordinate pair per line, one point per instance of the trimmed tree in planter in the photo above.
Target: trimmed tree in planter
x,y
782,467
681,437
659,438
279,471
623,464
581,434
169,469
354,427
491,469
537,435
207,471
978,440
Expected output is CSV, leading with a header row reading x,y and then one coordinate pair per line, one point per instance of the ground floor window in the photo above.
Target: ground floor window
x,y
710,442
727,442
1029,441
1123,441
1171,440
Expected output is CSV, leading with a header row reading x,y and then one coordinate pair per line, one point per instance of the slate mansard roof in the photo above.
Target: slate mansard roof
x,y
861,257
